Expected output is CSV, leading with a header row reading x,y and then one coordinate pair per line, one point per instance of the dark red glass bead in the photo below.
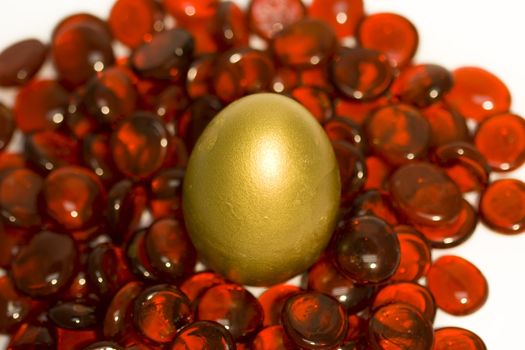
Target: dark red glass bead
x,y
40,105
75,315
68,339
409,293
51,149
9,161
198,283
191,10
46,265
352,169
304,44
478,94
459,288
7,126
366,249
203,35
32,337
199,81
138,258
357,110
233,307
272,301
203,335
166,193
171,103
14,307
140,145
285,79
343,129
361,74
425,194
268,17
21,61
391,34
446,125
314,320
97,155
161,311
117,320
376,203
272,338
398,326
84,19
316,100
19,192
342,15
356,328
378,172
398,133
502,206
12,239
454,338
318,77
230,26
415,255
104,345
196,118
501,140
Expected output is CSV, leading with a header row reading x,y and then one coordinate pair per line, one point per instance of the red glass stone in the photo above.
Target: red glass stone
x,y
73,196
285,79
272,338
398,133
318,77
361,74
83,19
7,126
12,239
391,34
316,100
195,285
272,301
342,15
203,335
230,26
352,169
376,203
46,265
14,308
40,105
104,345
140,145
378,172
74,315
51,149
268,17
9,161
398,326
191,10
356,328
74,340
117,320
314,320
502,206
166,193
459,288
21,61
161,311
454,338
323,277
501,140
339,128
97,155
134,21
425,194
32,337
199,81
233,307
409,293
366,249
138,259
241,72
356,110
19,192
415,255
304,44
203,35
446,125
172,102
478,94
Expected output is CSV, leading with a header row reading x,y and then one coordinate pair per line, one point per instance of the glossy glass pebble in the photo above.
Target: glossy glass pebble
x,y
203,37
117,318
272,301
7,126
376,203
314,320
172,102
361,74
14,307
230,26
9,161
191,10
502,206
304,44
196,284
425,194
104,345
97,155
51,149
45,265
409,293
391,34
138,258
12,239
356,328
166,194
415,255
40,105
32,337
161,311
268,17
459,288
378,172
352,169
84,19
342,15
340,128
75,315
446,125
199,80
366,250
501,140
74,339
140,145
455,338
357,110
21,61
316,100
272,338
203,335
399,326
233,307
317,77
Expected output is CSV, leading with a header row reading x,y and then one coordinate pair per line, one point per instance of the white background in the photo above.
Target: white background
x,y
453,33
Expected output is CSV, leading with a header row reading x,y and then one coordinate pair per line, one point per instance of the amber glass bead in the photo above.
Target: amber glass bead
x,y
107,269
96,154
191,10
199,80
19,193
7,126
167,56
340,128
230,26
318,77
104,345
268,17
40,105
366,250
84,19
272,338
501,140
134,21
415,255
32,337
454,338
75,315
390,33
117,319
342,15
233,307
425,194
12,239
398,133
140,145
304,44
51,149
446,125
203,36
166,193
21,61
361,74
138,258
376,203
409,293
203,335
356,110
356,328
46,265
478,94
272,301
74,339
352,169
502,206
378,172
314,320
73,197
241,72
459,288
399,326
172,102
316,100
14,307
195,285
9,161
323,277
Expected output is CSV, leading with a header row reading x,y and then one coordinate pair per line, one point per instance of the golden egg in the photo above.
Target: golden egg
x,y
261,191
